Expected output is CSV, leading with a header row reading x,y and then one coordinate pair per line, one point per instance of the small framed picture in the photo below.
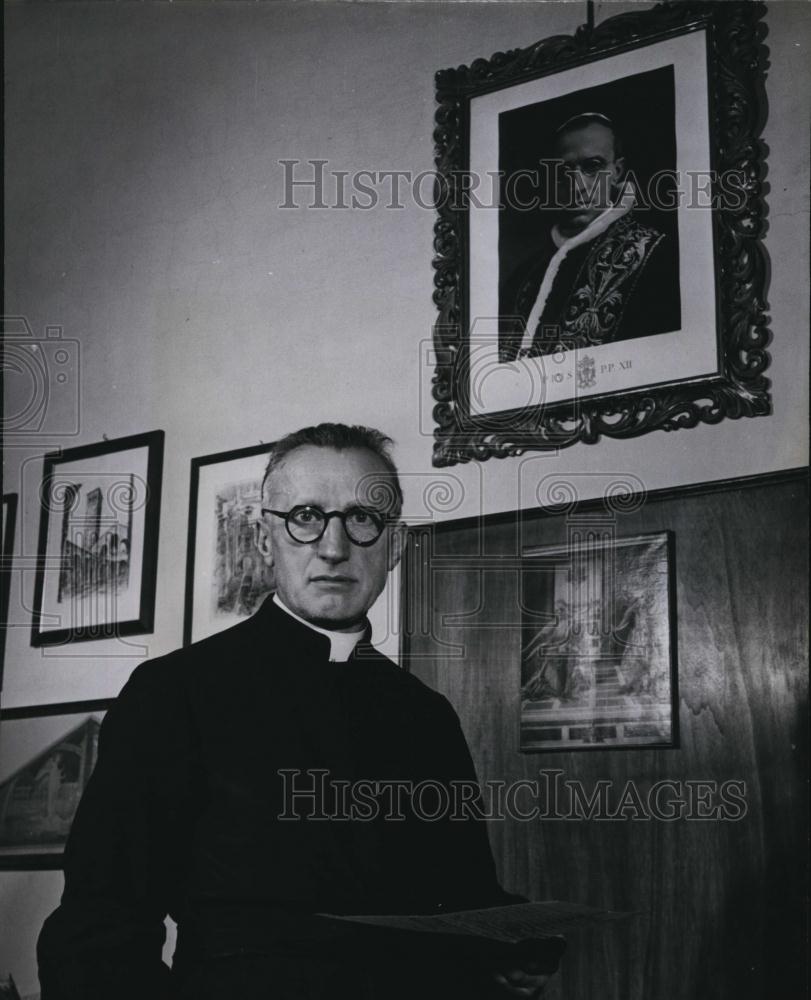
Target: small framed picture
x,y
98,541
46,760
226,576
598,645
600,269
6,559
9,525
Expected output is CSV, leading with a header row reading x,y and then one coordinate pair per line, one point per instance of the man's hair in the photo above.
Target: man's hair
x,y
591,118
386,495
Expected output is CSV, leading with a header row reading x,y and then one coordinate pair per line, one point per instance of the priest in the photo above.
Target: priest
x,y
225,769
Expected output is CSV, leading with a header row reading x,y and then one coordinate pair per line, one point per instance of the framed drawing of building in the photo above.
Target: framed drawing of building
x,y
98,541
226,576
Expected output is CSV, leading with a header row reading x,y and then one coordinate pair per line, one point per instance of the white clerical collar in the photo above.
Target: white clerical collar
x,y
607,217
594,229
341,643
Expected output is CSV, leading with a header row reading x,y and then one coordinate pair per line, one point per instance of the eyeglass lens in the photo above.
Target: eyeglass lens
x,y
306,524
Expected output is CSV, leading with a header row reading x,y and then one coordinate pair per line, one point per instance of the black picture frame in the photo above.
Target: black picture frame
x,y
660,391
40,792
6,563
240,471
102,567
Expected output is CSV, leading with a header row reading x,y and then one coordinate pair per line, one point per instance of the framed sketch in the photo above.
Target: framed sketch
x,y
226,576
98,541
45,763
599,263
6,556
598,645
9,524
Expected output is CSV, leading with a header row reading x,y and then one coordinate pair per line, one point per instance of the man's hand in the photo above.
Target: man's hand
x,y
524,981
526,972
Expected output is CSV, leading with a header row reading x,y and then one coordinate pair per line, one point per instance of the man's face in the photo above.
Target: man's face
x,y
589,175
330,582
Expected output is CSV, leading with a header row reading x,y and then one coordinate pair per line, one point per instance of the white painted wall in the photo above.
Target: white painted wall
x,y
142,194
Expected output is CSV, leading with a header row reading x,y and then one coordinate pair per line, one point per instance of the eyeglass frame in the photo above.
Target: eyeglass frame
x,y
328,514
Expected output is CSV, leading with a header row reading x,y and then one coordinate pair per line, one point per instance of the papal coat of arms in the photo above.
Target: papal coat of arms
x,y
586,372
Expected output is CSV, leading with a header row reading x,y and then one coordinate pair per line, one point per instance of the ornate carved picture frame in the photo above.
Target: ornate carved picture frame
x,y
599,263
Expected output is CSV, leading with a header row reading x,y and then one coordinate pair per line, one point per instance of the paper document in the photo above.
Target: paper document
x,y
510,924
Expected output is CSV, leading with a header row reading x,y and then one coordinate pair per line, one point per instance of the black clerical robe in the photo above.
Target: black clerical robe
x,y
197,760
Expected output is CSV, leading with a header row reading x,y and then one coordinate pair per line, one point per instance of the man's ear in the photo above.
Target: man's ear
x,y
263,542
397,543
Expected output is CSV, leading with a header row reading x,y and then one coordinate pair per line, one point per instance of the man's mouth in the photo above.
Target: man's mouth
x,y
335,580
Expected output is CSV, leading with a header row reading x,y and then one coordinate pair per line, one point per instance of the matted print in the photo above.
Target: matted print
x,y
98,541
600,267
226,576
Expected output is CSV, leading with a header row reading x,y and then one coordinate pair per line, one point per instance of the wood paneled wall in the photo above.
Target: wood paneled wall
x,y
720,903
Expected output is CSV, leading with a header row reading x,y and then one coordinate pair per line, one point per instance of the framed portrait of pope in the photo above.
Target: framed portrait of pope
x,y
599,268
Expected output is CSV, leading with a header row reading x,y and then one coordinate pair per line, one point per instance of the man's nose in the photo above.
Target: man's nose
x,y
334,544
572,184
590,189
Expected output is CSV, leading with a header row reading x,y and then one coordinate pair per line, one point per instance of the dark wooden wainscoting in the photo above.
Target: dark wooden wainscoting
x,y
719,901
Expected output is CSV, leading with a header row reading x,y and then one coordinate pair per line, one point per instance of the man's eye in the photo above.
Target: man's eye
x,y
307,515
365,518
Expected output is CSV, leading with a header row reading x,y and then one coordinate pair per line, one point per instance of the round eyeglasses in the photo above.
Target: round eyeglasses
x,y
306,523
